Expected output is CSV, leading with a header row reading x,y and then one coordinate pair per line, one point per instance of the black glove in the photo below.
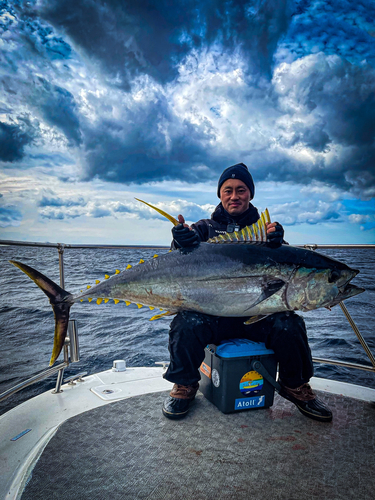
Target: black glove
x,y
276,238
184,237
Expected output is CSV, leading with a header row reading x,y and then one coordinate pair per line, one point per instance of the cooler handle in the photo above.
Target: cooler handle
x,y
258,367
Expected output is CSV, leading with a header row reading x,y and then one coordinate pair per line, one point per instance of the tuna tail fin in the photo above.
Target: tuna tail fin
x,y
59,300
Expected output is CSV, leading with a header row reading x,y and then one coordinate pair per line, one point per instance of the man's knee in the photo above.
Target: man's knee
x,y
288,326
189,325
288,320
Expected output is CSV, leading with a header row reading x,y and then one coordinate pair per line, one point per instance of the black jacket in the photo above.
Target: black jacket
x,y
221,219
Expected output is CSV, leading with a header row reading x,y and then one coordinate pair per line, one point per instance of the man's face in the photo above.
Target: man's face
x,y
235,196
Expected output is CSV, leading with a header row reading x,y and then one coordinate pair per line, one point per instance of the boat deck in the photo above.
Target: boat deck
x,y
128,449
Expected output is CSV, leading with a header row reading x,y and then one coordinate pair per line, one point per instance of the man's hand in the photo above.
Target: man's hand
x,y
183,235
275,234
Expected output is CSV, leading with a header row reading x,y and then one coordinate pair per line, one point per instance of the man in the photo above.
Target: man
x,y
283,332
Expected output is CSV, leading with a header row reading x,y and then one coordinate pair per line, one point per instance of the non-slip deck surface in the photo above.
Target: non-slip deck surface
x,y
129,450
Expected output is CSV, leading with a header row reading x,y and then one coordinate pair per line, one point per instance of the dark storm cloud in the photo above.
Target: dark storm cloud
x,y
327,103
59,109
151,36
14,138
149,143
30,49
343,27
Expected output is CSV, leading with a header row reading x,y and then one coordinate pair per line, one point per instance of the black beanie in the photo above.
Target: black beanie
x,y
238,171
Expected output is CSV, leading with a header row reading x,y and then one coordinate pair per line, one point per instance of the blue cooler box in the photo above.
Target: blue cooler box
x,y
228,379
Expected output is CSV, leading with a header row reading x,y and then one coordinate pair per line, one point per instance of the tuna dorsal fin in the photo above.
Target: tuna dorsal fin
x,y
249,234
164,214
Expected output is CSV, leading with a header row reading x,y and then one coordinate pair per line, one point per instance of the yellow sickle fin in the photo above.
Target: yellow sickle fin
x,y
158,316
164,214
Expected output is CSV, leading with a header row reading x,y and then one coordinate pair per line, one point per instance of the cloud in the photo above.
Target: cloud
x,y
13,139
59,202
225,82
308,211
337,97
10,216
69,207
131,38
334,27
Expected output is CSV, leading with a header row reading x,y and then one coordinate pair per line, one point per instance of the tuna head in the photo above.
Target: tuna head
x,y
323,285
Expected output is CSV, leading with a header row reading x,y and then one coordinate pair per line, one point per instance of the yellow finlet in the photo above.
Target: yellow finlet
x,y
164,214
88,286
127,302
139,305
90,299
97,282
116,301
141,261
158,316
151,308
117,271
81,300
106,300
128,266
156,255
106,276
99,301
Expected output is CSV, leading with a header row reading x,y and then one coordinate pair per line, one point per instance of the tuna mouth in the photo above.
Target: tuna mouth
x,y
345,292
342,277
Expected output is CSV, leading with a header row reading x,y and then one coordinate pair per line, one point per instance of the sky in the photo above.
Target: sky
x,y
102,102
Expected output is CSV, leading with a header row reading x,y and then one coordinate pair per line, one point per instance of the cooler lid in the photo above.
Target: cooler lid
x,y
241,347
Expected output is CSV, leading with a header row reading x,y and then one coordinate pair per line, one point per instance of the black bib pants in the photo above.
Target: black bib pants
x,y
284,332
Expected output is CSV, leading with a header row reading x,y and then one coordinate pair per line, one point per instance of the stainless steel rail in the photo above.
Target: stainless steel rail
x,y
72,340
36,378
337,362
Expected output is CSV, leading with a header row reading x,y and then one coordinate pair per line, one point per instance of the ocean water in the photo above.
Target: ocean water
x,y
108,331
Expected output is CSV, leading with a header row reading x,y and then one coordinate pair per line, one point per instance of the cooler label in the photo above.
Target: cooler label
x,y
206,370
245,403
251,383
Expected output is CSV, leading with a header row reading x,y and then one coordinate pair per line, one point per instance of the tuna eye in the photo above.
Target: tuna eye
x,y
334,276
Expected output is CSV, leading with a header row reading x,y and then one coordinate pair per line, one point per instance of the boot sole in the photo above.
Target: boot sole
x,y
175,416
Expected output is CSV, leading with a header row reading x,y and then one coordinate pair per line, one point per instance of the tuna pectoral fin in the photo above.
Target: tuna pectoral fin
x,y
269,289
59,299
255,319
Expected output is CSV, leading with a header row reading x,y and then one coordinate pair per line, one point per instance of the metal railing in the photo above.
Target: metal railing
x,y
71,344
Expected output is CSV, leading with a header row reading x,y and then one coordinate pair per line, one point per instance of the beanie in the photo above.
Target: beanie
x,y
238,171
